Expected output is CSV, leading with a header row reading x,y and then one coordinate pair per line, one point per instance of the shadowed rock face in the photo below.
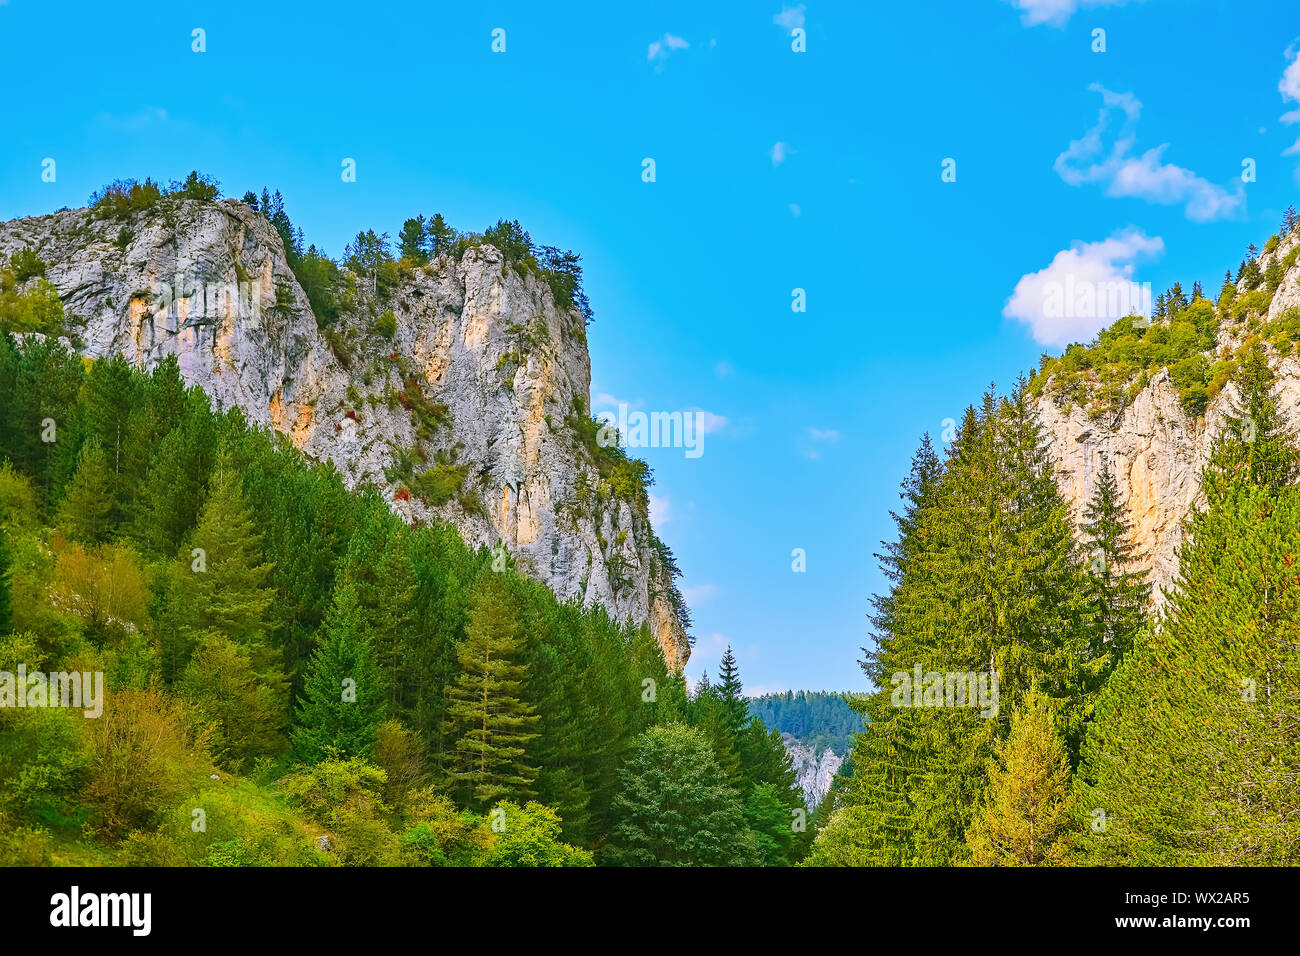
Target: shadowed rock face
x,y
208,282
1155,450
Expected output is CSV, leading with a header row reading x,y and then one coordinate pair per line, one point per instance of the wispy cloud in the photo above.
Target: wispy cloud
x,y
1085,288
661,511
1289,87
814,440
1091,160
664,47
780,153
790,17
1057,13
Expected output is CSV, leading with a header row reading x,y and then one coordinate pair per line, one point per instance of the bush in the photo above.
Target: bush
x,y
125,197
145,751
26,264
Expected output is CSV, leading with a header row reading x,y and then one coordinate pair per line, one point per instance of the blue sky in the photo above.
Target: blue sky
x,y
908,278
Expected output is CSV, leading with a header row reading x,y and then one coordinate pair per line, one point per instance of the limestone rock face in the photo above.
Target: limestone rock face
x,y
482,349
1155,450
814,769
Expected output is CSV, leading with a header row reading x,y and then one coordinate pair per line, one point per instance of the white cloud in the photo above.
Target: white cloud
x,y
1085,288
662,48
661,511
795,210
1289,87
790,17
824,434
1087,160
780,152
1056,13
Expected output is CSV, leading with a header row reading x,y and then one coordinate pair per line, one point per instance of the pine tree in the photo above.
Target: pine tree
x,y
412,239
997,588
1117,583
440,235
85,513
489,723
342,703
1256,445
1025,817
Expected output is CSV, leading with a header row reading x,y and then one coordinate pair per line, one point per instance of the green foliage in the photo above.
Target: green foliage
x,y
489,722
1025,818
676,807
530,836
303,585
440,483
985,575
342,705
125,197
26,264
818,719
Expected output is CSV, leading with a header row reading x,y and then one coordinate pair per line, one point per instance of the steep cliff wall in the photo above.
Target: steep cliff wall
x,y
1154,448
466,372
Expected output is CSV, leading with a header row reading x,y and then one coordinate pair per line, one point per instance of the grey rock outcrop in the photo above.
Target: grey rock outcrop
x,y
814,769
478,370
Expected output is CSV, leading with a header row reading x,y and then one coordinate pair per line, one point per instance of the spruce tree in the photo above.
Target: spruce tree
x,y
884,753
489,724
378,567
342,703
1117,583
731,693
85,513
226,584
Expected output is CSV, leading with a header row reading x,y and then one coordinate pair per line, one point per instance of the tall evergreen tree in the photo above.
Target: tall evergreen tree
x,y
885,752
1116,581
85,513
342,703
489,723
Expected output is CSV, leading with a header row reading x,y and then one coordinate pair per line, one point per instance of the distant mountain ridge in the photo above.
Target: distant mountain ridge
x,y
818,729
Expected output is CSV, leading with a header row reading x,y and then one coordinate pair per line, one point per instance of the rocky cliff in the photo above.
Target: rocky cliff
x,y
1153,446
456,391
815,769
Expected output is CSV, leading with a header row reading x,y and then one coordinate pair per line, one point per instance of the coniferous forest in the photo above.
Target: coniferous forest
x,y
322,683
